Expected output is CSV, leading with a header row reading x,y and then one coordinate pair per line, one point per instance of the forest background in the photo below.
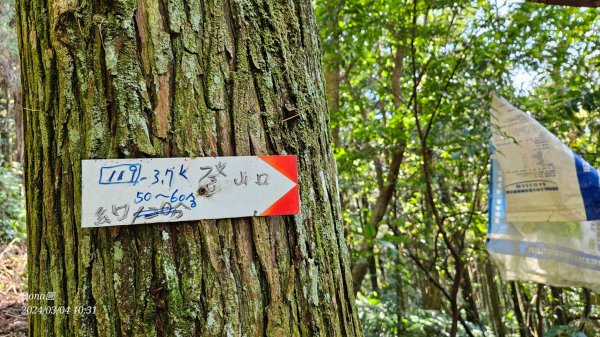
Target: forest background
x,y
408,86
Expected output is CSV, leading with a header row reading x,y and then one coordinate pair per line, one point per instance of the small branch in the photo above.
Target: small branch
x,y
473,202
435,282
292,117
569,3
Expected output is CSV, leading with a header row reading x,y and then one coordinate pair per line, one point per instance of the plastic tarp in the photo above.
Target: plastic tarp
x,y
544,207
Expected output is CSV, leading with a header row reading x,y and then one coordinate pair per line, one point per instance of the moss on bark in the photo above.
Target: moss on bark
x,y
160,78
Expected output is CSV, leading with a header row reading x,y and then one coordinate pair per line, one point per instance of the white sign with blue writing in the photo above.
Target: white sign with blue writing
x,y
157,190
544,208
544,179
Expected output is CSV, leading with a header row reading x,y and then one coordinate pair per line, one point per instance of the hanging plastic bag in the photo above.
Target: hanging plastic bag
x,y
543,202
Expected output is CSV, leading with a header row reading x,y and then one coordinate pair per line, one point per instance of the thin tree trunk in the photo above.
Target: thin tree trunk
x,y
6,148
527,303
523,328
373,273
469,297
558,306
18,118
120,79
359,269
538,310
485,292
495,302
432,299
400,296
332,84
587,307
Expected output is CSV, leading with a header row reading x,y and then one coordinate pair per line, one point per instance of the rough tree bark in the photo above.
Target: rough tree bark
x,y
523,327
156,78
495,308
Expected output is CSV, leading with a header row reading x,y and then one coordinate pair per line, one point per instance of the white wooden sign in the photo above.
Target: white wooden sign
x,y
134,191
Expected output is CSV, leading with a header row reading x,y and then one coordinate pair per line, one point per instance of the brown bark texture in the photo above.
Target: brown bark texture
x,y
495,307
176,78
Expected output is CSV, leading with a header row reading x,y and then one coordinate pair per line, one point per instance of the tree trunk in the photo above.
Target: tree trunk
x,y
5,148
496,313
332,86
523,326
153,78
558,306
468,295
538,310
387,188
400,295
587,308
373,274
18,118
432,298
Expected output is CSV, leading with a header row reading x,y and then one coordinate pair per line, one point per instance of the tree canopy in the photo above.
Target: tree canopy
x,y
412,81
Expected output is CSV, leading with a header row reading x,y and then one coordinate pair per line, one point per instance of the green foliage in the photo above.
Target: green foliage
x,y
415,76
12,205
564,331
9,53
422,323
380,315
7,27
10,100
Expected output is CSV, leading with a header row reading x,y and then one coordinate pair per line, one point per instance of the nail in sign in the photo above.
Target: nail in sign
x,y
120,192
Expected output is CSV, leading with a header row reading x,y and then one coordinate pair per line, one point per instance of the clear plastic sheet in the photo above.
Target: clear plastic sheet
x,y
544,205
